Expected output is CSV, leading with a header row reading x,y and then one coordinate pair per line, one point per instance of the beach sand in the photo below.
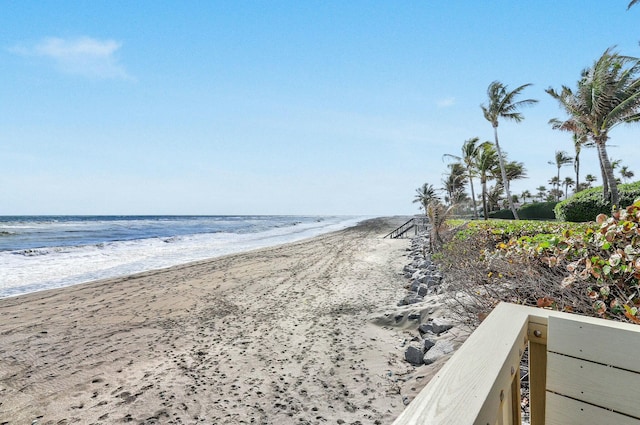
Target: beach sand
x,y
302,333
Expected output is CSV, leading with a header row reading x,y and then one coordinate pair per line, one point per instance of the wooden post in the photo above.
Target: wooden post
x,y
537,382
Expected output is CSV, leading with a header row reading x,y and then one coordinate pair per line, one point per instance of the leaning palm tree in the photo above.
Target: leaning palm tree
x,y
608,94
470,150
503,104
425,195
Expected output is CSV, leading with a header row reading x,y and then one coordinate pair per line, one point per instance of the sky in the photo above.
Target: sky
x,y
282,107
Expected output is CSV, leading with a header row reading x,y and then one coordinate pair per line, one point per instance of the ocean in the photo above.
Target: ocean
x,y
46,252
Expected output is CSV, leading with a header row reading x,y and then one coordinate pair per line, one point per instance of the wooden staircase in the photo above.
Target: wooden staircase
x,y
417,223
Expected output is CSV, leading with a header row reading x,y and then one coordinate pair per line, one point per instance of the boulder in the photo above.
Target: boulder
x,y
414,355
441,348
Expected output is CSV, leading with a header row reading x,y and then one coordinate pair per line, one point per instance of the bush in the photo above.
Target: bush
x,y
538,211
505,214
534,211
585,205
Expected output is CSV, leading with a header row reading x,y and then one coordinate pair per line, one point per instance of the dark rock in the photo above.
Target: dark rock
x,y
414,355
427,344
440,325
414,316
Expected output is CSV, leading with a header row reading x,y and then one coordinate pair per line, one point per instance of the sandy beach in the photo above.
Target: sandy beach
x,y
304,333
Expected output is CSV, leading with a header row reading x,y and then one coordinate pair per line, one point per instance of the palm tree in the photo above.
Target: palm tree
x,y
626,173
470,149
425,195
555,184
579,133
608,94
486,162
590,179
568,182
542,190
525,195
502,104
562,158
455,182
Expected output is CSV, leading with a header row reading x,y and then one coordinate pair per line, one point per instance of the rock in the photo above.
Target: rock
x,y
414,316
440,325
441,348
410,299
422,290
427,344
414,355
435,326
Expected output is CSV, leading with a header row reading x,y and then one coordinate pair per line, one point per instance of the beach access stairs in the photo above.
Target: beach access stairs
x,y
582,370
417,223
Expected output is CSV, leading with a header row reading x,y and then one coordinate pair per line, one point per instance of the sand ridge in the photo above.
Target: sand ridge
x,y
276,336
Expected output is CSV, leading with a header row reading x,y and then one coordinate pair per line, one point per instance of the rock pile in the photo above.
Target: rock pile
x,y
424,277
424,281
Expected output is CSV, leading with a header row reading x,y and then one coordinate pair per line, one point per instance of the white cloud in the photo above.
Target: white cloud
x,y
84,56
446,102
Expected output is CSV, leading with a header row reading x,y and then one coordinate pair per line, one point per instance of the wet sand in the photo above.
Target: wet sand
x,y
295,334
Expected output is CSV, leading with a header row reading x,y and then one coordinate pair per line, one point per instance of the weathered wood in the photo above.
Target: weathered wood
x,y
467,389
516,414
566,411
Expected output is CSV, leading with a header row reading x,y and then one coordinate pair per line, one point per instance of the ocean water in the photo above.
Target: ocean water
x,y
45,252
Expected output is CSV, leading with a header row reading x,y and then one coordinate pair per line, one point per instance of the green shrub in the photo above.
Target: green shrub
x,y
506,214
534,211
538,211
586,205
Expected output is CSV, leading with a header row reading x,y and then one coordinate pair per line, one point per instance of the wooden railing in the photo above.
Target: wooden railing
x,y
417,223
582,370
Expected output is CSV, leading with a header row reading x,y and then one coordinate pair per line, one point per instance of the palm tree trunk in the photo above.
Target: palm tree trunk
x,y
608,173
484,199
558,185
473,196
503,171
576,167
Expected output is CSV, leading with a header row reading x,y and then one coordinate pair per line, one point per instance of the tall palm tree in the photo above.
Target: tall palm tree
x,y
561,158
425,194
486,163
503,104
542,190
608,94
555,184
568,182
470,150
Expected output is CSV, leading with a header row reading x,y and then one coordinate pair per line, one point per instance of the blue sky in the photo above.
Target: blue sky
x,y
280,107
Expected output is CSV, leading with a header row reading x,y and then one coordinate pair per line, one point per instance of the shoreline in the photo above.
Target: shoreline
x,y
285,334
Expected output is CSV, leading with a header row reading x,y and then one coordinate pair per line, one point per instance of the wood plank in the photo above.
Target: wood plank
x,y
565,411
600,385
516,413
467,388
603,341
537,382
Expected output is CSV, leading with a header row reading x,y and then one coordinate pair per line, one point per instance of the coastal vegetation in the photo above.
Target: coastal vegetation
x,y
576,252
